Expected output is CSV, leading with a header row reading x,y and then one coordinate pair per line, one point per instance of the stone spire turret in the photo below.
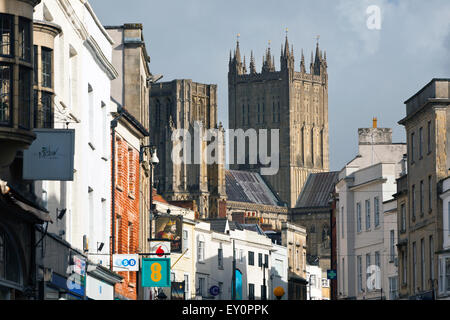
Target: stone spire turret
x,y
252,63
302,64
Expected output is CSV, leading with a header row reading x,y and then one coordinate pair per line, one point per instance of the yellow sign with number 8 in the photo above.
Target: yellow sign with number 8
x,y
156,272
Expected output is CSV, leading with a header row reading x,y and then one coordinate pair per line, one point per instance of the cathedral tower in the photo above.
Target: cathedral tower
x,y
295,102
182,104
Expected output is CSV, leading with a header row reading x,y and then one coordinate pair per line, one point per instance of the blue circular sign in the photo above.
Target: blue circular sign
x,y
214,290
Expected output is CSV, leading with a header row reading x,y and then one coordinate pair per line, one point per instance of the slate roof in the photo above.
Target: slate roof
x,y
317,189
254,228
245,186
217,225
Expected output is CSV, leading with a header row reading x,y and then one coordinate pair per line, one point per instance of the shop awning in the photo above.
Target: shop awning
x,y
16,203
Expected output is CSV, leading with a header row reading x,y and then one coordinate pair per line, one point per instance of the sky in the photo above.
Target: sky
x,y
371,71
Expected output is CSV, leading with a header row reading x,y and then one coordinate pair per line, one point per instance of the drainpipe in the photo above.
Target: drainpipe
x,y
113,184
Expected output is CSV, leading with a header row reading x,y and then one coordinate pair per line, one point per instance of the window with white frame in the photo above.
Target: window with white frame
x,y
376,209
201,286
430,193
403,217
422,263
377,259
220,257
313,281
405,267
367,214
358,216
431,258
421,142
414,253
186,242
186,286
359,262
392,246
200,249
393,288
444,275
422,195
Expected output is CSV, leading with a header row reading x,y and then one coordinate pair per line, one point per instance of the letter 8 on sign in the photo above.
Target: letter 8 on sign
x,y
156,272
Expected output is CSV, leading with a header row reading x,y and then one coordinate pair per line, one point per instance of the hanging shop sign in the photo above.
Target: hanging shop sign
x,y
156,272
50,156
170,228
125,262
160,249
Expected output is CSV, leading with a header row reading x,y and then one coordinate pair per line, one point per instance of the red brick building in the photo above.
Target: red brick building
x,y
127,137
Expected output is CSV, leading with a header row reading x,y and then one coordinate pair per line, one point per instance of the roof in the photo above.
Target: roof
x,y
317,189
254,228
218,225
245,186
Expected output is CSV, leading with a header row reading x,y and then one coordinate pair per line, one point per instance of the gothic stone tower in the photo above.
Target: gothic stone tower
x,y
178,105
294,102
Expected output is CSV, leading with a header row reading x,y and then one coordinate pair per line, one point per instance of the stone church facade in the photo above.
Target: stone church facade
x,y
181,104
295,102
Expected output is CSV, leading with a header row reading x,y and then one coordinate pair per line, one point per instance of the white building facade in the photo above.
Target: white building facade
x,y
444,256
83,74
279,271
214,262
314,277
366,259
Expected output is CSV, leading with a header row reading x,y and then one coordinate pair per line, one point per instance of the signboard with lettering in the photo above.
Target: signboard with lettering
x,y
50,156
125,262
156,272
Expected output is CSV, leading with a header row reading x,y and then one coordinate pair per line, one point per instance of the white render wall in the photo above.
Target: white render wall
x,y
82,57
371,174
279,271
445,206
245,241
314,289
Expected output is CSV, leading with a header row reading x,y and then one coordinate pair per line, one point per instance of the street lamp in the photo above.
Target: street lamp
x,y
152,162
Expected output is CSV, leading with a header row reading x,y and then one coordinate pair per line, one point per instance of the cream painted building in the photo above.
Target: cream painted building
x,y
366,185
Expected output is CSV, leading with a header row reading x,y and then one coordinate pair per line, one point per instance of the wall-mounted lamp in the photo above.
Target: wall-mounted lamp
x,y
60,213
100,246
